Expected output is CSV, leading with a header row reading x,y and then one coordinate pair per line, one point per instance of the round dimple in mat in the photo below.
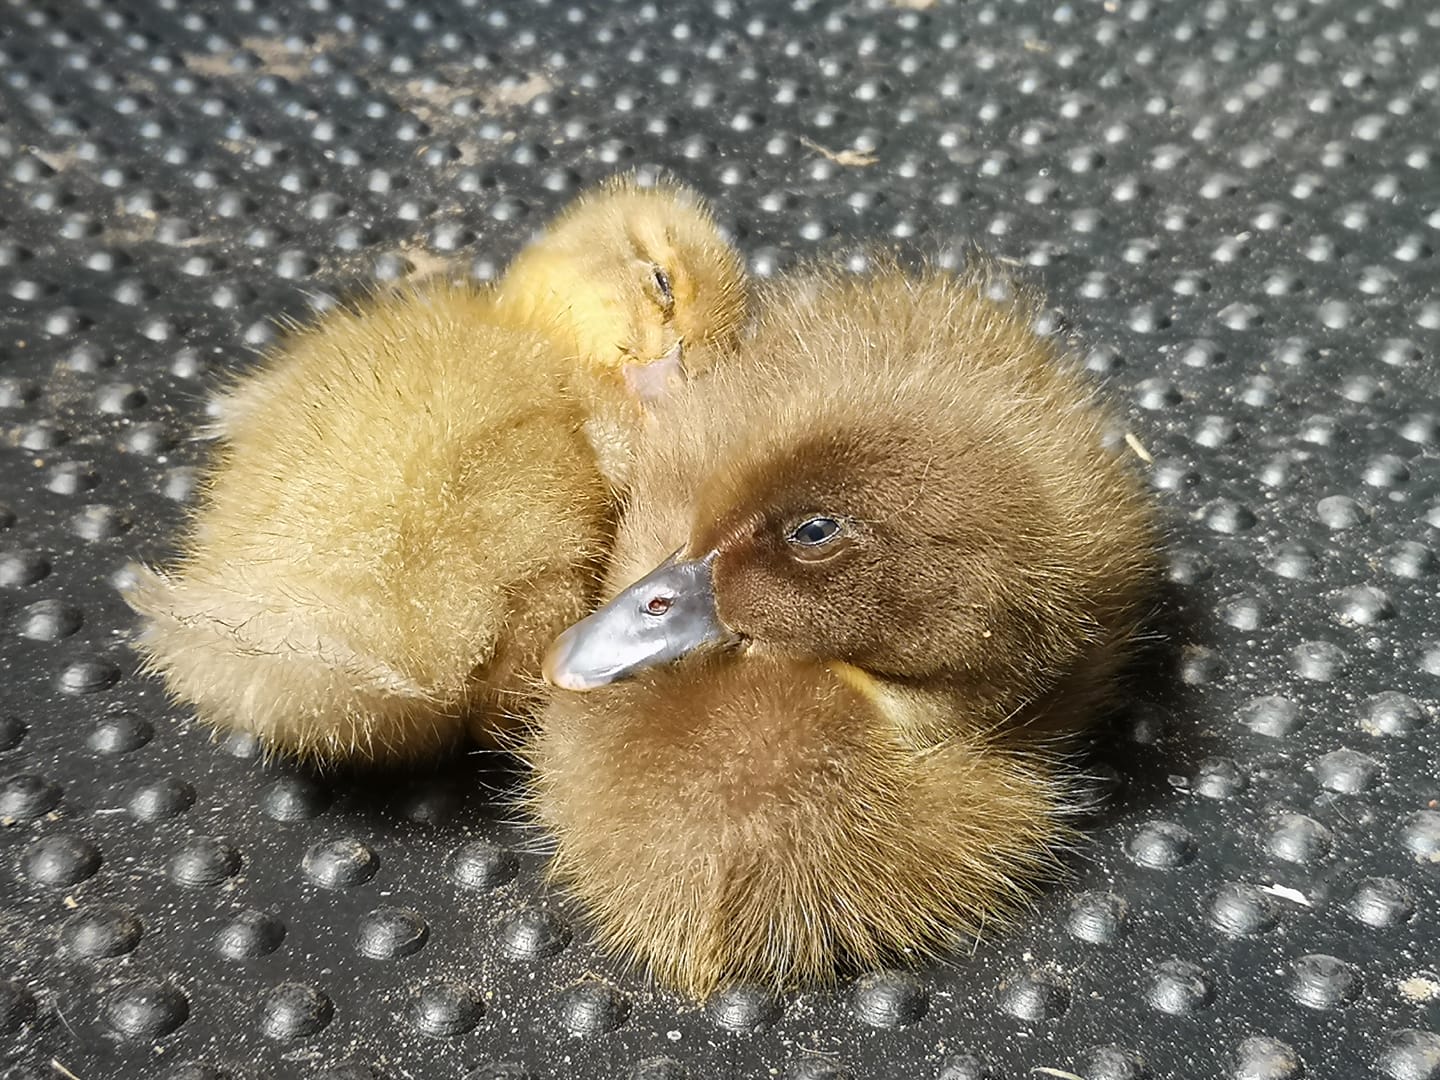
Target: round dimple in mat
x,y
1231,206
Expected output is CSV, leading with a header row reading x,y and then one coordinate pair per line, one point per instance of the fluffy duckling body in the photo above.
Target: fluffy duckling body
x,y
895,568
406,506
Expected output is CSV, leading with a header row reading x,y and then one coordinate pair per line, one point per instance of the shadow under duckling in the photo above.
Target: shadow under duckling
x,y
896,568
413,497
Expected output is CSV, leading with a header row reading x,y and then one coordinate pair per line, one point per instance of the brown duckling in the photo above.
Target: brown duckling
x,y
407,505
896,566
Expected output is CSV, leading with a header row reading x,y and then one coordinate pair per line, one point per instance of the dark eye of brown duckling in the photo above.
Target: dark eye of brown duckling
x,y
817,538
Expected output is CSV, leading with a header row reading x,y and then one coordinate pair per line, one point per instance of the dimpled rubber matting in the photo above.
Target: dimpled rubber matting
x,y
1236,203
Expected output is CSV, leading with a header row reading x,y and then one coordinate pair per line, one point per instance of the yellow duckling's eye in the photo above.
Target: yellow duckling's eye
x,y
665,288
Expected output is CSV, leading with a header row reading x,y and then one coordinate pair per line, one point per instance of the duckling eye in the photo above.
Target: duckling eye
x,y
816,531
662,282
657,605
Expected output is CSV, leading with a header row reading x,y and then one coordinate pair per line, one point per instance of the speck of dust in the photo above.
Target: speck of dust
x,y
1286,893
1420,988
1138,448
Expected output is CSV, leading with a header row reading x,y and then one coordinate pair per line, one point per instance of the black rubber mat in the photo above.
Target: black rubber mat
x,y
1236,202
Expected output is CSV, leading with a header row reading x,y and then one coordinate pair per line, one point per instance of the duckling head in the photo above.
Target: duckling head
x,y
637,283
904,523
835,549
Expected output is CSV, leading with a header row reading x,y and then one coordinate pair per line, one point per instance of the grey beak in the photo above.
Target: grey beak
x,y
665,615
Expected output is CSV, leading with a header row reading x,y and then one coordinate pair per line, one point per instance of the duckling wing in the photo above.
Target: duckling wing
x,y
213,618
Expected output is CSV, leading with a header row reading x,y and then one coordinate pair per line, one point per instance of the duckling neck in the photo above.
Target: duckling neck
x,y
575,326
542,312
609,417
528,295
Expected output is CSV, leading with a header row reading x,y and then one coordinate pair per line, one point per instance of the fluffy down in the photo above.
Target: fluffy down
x,y
394,542
867,759
406,504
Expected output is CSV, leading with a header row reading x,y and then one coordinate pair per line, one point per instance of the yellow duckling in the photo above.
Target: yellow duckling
x,y
411,501
895,566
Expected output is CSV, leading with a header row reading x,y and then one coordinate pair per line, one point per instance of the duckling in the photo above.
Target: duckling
x,y
897,571
406,506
